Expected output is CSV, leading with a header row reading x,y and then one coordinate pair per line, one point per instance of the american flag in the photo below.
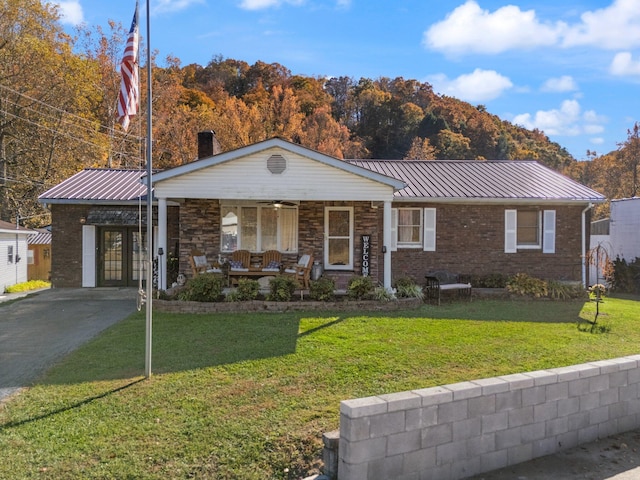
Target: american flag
x,y
129,96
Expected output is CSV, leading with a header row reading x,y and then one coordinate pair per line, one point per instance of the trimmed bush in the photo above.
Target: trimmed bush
x,y
281,288
322,289
360,288
491,280
206,287
523,284
248,289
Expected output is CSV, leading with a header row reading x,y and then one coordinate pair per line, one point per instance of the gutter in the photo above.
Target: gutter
x,y
584,246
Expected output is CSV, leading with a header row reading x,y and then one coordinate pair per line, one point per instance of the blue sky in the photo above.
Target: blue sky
x,y
570,68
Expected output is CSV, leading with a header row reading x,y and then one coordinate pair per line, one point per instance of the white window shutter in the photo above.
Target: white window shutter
x,y
88,256
429,230
510,231
549,232
394,229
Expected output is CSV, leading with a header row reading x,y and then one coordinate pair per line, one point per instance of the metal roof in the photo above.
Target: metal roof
x,y
42,237
456,180
433,180
96,185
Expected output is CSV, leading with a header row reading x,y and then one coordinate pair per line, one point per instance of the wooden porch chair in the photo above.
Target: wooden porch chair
x,y
200,264
240,261
271,261
301,271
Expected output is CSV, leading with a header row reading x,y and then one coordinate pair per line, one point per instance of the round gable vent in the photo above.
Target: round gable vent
x,y
276,164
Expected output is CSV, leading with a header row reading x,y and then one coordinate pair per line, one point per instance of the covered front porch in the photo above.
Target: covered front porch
x,y
276,195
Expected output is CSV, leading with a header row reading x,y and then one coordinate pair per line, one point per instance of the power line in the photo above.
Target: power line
x,y
125,136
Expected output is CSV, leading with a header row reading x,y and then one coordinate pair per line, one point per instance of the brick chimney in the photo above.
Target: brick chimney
x,y
208,144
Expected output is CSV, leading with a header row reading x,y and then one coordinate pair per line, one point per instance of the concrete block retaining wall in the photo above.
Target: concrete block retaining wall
x,y
455,431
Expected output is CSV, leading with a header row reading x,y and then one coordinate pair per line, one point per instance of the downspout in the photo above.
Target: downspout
x,y
584,244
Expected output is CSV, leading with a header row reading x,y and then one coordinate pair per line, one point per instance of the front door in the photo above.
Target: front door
x,y
120,257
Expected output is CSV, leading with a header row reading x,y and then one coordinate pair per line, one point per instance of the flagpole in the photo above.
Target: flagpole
x,y
149,306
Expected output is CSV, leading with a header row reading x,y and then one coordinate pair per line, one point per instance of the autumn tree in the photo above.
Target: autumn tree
x,y
47,105
629,158
421,149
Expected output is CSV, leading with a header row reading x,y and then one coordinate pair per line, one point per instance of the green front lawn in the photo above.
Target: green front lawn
x,y
248,396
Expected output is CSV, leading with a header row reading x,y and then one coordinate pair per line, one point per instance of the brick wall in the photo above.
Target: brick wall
x,y
470,240
455,431
66,238
66,244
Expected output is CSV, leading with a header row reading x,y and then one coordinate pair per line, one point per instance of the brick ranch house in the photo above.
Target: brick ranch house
x,y
384,218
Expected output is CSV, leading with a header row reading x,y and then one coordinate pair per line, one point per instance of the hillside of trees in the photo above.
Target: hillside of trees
x,y
58,96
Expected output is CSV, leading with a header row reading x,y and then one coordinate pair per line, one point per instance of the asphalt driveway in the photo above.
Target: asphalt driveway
x,y
38,330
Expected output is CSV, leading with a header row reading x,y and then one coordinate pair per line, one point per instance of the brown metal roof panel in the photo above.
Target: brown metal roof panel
x,y
481,179
99,184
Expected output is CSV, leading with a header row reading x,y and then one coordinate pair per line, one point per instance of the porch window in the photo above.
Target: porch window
x,y
530,229
338,238
259,228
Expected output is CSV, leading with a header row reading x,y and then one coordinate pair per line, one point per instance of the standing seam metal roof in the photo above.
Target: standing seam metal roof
x,y
432,179
99,184
473,179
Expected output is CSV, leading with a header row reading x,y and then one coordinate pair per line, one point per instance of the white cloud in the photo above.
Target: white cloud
x,y
597,140
70,12
470,29
568,120
623,64
478,86
614,27
262,4
165,6
564,83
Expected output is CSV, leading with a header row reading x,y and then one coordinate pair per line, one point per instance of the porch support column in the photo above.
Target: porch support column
x,y
162,243
386,244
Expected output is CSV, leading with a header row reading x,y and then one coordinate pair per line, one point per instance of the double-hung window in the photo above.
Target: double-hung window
x,y
259,228
413,228
529,229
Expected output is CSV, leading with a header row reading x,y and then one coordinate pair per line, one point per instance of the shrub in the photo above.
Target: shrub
x,y
623,277
564,291
281,288
248,289
407,288
492,280
322,289
206,287
360,287
383,295
523,284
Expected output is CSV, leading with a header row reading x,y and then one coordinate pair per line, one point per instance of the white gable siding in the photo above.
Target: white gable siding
x,y
248,178
12,273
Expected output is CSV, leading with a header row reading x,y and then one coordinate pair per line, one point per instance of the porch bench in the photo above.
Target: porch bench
x,y
443,281
267,264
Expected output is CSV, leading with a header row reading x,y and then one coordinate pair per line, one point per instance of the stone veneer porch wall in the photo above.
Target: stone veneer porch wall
x,y
200,229
455,431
